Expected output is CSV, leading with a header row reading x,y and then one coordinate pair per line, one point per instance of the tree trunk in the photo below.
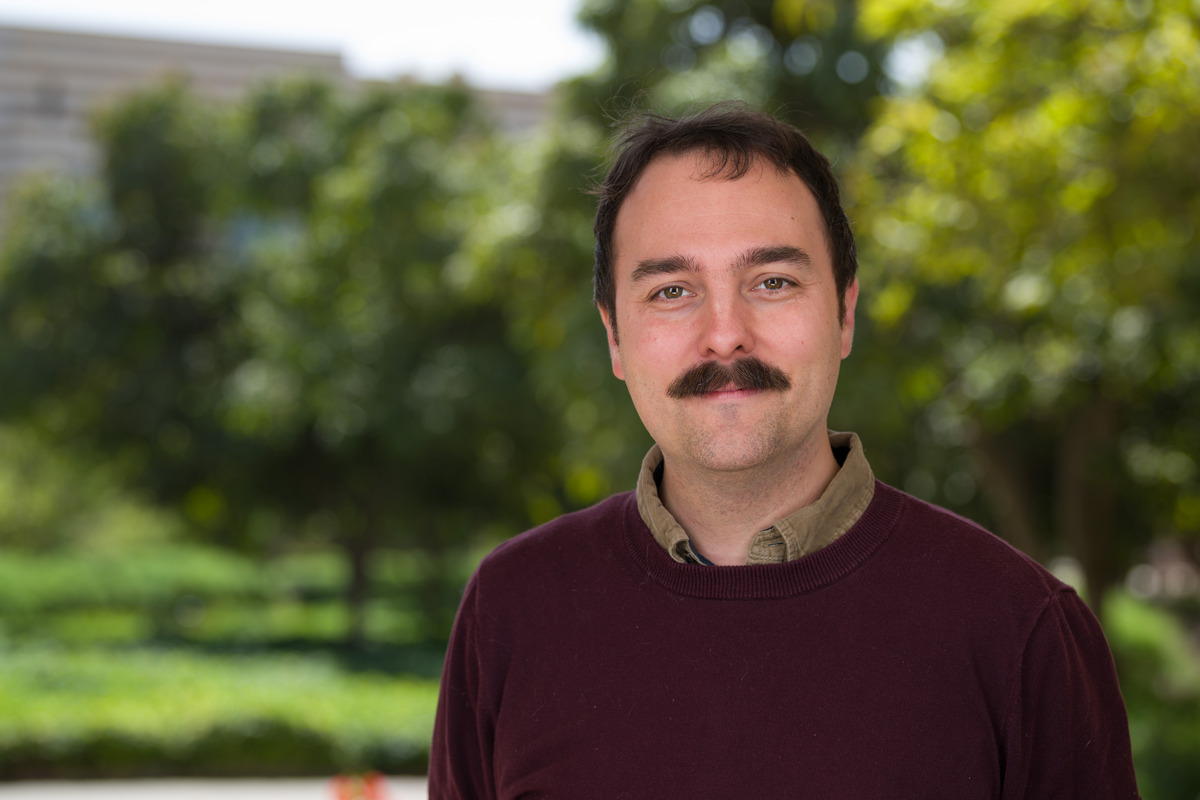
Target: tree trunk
x,y
435,624
1007,490
1086,502
359,548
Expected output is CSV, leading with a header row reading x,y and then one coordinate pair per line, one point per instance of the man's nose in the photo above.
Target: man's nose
x,y
728,330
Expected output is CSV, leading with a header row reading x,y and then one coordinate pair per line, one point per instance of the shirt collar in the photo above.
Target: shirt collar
x,y
804,531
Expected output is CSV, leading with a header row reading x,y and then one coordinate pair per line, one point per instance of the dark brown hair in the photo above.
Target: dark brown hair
x,y
733,137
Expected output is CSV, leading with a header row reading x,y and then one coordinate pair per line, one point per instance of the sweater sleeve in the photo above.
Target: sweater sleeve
x,y
460,758
1066,730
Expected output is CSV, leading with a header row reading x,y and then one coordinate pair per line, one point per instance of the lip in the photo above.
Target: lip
x,y
729,391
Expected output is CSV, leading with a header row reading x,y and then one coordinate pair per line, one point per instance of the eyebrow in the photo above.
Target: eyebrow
x,y
754,257
777,254
662,266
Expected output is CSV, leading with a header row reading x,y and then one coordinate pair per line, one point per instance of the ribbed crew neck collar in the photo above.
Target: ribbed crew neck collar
x,y
768,581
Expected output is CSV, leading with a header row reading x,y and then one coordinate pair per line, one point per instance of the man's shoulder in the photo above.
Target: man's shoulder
x,y
574,537
965,552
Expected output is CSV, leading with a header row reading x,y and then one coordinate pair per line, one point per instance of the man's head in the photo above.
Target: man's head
x,y
732,139
715,256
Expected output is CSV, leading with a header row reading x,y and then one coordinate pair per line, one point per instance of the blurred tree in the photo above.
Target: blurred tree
x,y
256,315
803,58
532,245
381,380
51,499
1026,208
1160,681
117,332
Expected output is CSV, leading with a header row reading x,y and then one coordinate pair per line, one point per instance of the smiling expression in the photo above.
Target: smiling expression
x,y
727,271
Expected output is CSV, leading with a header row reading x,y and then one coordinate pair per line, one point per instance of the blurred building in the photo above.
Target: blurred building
x,y
51,82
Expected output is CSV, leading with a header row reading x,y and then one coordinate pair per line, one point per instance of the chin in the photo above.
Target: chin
x,y
731,459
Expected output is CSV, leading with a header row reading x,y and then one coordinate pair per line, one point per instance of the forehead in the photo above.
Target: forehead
x,y
677,204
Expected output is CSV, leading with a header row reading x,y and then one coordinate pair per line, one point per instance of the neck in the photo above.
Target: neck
x,y
722,512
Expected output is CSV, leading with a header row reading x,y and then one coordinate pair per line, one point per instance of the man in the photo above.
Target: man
x,y
761,618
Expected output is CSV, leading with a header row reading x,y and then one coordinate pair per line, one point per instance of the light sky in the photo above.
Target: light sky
x,y
495,44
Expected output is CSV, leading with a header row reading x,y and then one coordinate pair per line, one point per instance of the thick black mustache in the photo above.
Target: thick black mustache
x,y
745,373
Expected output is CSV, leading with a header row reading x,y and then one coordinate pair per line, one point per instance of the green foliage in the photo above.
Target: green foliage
x,y
804,57
162,164
370,360
1160,679
142,577
209,596
532,248
103,713
52,498
256,318
1026,213
109,316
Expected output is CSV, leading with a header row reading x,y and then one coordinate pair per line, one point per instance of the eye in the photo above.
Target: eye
x,y
774,284
672,293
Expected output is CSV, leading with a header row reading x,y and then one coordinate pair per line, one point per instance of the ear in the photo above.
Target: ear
x,y
614,351
850,300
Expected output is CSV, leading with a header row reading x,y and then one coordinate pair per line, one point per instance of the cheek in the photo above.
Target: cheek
x,y
808,349
657,362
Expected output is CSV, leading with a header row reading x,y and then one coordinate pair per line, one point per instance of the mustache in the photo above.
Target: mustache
x,y
745,373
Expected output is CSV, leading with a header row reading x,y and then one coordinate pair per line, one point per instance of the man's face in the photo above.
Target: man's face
x,y
713,270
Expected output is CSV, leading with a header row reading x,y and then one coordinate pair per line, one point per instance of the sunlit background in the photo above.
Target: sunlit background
x,y
295,325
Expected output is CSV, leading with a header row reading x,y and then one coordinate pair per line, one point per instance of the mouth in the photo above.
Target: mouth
x,y
728,390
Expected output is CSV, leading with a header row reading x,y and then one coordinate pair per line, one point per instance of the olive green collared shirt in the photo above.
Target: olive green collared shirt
x,y
804,531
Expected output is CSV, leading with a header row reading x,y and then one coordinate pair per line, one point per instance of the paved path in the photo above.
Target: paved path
x,y
186,789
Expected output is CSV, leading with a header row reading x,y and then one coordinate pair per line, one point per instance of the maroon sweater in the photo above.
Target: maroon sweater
x,y
918,656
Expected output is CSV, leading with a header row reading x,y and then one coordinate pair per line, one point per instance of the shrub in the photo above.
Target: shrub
x,y
1160,679
74,712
